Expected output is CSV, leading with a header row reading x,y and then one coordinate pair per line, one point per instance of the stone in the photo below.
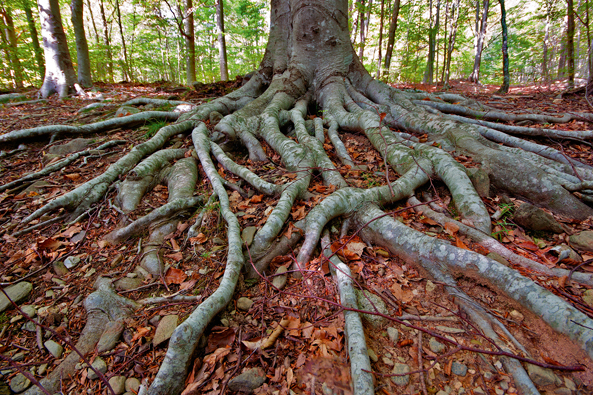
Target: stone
x,y
132,385
19,383
16,293
244,303
517,316
534,218
441,392
48,158
42,369
478,391
364,299
60,269
498,258
99,365
562,391
280,278
430,287
393,334
248,234
387,361
540,376
165,329
126,283
400,368
118,384
30,326
568,383
54,348
37,187
564,252
71,262
74,145
110,336
480,181
124,111
155,320
459,369
248,380
19,357
582,241
372,355
436,346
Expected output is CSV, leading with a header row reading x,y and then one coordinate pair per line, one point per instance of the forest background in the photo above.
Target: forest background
x,y
145,40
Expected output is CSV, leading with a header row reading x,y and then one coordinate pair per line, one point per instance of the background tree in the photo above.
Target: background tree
x,y
10,44
480,31
82,48
59,71
222,56
505,53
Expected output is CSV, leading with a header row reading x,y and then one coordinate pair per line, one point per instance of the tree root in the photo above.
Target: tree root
x,y
103,126
360,365
103,307
414,246
493,245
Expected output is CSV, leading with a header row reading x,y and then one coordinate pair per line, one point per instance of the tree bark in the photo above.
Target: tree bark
x,y
505,53
82,48
34,38
455,11
481,26
391,38
12,47
190,42
222,58
59,71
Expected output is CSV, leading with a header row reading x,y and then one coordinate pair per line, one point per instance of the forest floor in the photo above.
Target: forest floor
x,y
311,351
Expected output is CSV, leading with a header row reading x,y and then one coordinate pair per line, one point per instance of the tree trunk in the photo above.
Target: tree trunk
x,y
190,42
570,43
99,66
364,27
380,57
107,42
505,54
224,72
455,11
34,38
481,25
391,38
546,42
59,71
82,48
432,36
126,64
12,47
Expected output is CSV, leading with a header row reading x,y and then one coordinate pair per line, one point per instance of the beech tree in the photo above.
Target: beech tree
x,y
59,71
310,64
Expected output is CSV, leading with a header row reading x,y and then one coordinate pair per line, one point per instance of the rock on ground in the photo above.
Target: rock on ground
x,y
118,384
165,329
369,302
19,383
400,368
248,380
534,218
99,365
16,293
582,241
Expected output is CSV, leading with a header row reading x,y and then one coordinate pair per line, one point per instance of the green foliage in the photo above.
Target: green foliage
x,y
154,127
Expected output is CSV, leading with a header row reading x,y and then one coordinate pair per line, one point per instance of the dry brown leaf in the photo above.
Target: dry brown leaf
x,y
175,276
177,256
460,244
72,176
199,239
141,332
257,198
451,228
299,213
400,294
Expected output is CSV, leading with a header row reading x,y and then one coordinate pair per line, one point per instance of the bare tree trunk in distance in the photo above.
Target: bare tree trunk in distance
x,y
378,74
224,72
12,47
59,72
106,41
481,26
505,53
82,48
126,65
34,38
432,35
391,38
190,41
455,11
570,42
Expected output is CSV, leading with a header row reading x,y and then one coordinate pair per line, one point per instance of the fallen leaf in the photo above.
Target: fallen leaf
x,y
220,337
257,198
141,332
460,243
175,276
177,256
451,228
187,285
199,239
72,176
299,213
49,244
